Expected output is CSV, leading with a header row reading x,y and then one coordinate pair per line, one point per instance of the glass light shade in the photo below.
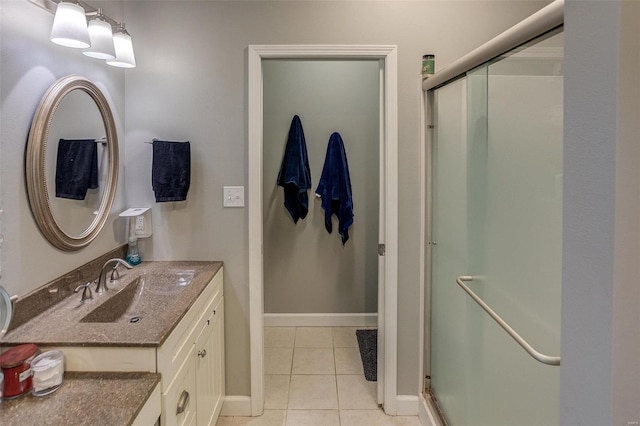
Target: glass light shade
x,y
101,40
124,51
70,26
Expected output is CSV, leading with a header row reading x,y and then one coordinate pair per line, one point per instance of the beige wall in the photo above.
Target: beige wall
x,y
191,83
307,270
626,331
600,373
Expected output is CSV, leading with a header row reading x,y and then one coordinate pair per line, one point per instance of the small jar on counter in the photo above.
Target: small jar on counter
x,y
16,367
428,65
48,371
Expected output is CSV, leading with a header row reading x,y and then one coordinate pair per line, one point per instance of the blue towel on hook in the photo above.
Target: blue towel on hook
x,y
294,175
76,168
171,170
335,188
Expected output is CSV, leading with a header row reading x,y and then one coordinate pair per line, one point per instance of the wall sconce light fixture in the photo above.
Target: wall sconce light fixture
x,y
124,49
102,37
70,26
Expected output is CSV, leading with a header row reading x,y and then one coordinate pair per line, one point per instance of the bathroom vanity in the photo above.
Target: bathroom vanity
x,y
151,345
160,317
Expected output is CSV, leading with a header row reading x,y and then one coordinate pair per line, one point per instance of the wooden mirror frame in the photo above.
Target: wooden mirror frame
x,y
35,164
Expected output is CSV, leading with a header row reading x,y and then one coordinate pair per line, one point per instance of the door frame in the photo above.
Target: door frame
x,y
388,282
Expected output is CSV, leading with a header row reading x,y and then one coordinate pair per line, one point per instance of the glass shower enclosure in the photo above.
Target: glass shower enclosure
x,y
496,221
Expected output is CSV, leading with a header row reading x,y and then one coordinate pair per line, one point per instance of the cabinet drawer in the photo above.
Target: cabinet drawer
x,y
172,353
181,392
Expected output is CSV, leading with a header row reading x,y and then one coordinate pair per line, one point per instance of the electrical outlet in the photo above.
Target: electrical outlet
x,y
233,196
139,223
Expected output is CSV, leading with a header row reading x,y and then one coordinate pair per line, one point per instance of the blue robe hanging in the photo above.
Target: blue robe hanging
x,y
335,188
294,175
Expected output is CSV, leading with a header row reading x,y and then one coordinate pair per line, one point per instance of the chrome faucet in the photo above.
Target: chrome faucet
x,y
102,279
86,291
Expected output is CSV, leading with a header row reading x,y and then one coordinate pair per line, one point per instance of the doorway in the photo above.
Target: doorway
x,y
309,274
387,239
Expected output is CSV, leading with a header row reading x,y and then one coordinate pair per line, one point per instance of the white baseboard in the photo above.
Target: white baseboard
x,y
407,405
236,405
425,414
321,320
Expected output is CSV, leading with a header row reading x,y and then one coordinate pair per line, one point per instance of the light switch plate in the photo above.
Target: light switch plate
x,y
233,196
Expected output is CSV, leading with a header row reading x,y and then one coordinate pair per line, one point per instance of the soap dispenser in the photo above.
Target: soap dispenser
x,y
133,257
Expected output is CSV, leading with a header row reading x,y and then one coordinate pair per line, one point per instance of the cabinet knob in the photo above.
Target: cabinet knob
x,y
202,353
182,402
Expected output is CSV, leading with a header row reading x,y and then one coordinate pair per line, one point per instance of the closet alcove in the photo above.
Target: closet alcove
x,y
306,269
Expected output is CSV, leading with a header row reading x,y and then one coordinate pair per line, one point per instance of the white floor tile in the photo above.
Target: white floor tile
x,y
355,393
345,337
375,418
314,337
313,392
225,421
313,418
365,418
348,361
276,391
279,337
406,421
268,418
313,361
278,360
327,387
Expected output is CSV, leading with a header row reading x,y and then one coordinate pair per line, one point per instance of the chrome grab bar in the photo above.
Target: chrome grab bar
x,y
545,359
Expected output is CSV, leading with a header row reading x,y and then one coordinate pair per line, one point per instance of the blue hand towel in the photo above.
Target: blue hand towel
x,y
335,188
76,168
294,175
171,170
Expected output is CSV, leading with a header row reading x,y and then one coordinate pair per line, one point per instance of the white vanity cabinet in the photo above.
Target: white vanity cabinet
x,y
191,362
210,368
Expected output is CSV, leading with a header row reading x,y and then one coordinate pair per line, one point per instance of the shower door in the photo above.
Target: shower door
x,y
497,216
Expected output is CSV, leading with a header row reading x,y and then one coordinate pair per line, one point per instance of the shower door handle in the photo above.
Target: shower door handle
x,y
545,359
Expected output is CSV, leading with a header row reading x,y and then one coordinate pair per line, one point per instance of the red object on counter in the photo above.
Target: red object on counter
x,y
16,367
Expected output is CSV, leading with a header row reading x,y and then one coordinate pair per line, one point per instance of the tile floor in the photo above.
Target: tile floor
x,y
314,377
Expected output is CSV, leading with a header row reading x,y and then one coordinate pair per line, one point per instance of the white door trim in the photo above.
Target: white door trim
x,y
389,141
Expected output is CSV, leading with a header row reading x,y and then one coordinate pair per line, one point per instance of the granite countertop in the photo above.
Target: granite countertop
x,y
156,299
84,399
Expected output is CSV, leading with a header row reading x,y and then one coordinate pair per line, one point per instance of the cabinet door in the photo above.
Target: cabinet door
x,y
219,377
209,368
178,401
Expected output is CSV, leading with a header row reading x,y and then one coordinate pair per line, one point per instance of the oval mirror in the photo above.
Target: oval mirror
x,y
72,163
